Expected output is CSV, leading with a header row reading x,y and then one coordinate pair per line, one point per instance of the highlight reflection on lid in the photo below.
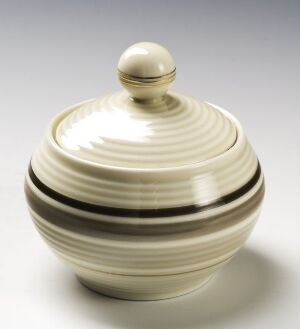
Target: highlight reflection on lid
x,y
100,125
174,131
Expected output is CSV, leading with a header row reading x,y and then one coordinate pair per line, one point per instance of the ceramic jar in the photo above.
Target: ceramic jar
x,y
144,193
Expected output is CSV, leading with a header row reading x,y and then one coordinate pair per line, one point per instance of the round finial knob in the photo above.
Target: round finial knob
x,y
146,70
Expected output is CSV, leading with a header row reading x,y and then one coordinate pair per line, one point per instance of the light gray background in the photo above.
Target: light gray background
x,y
241,55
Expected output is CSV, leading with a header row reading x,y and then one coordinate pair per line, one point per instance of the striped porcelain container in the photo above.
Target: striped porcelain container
x,y
144,193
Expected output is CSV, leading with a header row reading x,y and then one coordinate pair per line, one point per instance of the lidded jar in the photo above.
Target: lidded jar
x,y
145,193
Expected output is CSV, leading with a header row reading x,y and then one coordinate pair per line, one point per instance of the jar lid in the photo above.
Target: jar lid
x,y
145,126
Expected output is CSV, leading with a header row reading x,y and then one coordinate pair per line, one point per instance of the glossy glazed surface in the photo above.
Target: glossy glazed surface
x,y
146,60
172,131
146,70
144,200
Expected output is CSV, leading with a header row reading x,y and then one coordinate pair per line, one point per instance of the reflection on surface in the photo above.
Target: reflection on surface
x,y
205,188
171,131
114,124
135,51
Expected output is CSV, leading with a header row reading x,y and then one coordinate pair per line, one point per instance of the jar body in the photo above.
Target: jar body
x,y
144,234
144,263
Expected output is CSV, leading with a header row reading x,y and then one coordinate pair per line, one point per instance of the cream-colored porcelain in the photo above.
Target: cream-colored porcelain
x,y
146,70
144,193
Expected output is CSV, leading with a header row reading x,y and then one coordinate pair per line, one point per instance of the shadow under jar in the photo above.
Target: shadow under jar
x,y
145,193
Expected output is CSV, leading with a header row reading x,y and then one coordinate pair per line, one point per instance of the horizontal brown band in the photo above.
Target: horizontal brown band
x,y
87,225
143,213
148,81
138,78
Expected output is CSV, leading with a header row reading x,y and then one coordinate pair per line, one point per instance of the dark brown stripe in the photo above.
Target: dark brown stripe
x,y
91,227
143,213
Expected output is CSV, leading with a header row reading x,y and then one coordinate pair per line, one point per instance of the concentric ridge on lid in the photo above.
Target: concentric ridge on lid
x,y
174,131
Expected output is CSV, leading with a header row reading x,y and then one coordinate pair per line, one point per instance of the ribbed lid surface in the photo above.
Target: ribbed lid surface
x,y
146,127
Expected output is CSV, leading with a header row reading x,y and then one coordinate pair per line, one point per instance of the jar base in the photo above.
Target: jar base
x,y
146,288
